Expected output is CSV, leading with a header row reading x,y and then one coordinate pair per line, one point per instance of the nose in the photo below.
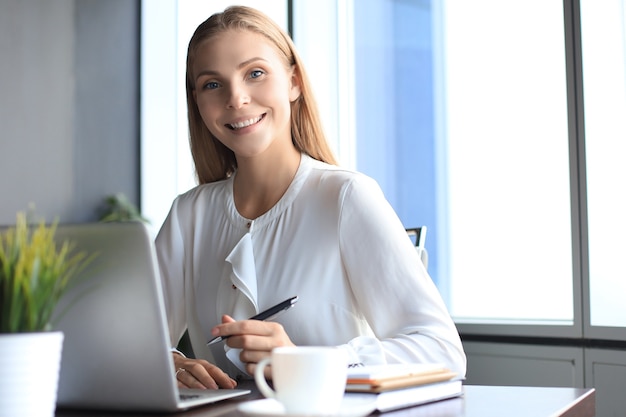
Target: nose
x,y
238,96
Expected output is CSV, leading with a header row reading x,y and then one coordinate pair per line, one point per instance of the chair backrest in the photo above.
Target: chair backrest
x,y
418,236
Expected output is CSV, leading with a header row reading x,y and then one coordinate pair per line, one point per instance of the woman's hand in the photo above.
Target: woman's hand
x,y
256,339
197,373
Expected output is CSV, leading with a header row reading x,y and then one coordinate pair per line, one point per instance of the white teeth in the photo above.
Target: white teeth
x,y
245,123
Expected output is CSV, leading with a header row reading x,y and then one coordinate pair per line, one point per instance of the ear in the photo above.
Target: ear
x,y
294,89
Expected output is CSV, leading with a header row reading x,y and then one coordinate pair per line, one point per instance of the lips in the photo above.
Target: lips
x,y
245,123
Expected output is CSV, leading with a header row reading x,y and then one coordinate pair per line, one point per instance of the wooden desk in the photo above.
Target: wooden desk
x,y
477,401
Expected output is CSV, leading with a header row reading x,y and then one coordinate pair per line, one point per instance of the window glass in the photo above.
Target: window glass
x,y
461,116
603,35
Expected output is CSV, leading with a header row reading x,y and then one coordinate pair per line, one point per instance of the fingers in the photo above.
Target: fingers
x,y
252,334
226,328
251,368
187,380
255,338
193,373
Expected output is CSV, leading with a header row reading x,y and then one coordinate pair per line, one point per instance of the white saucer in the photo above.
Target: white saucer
x,y
350,407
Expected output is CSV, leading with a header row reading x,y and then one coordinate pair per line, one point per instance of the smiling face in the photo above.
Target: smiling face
x,y
243,90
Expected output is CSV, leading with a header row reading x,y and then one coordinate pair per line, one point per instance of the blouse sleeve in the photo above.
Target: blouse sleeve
x,y
170,255
392,288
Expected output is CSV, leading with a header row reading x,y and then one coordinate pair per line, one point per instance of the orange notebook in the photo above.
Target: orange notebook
x,y
380,378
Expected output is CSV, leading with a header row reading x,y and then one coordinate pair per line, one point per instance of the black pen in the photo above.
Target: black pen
x,y
268,314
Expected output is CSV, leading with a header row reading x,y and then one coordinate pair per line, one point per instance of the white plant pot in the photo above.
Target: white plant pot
x,y
29,373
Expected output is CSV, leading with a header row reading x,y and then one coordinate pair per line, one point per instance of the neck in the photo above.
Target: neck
x,y
261,182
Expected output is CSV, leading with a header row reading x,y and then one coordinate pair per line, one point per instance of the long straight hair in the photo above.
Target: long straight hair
x,y
213,160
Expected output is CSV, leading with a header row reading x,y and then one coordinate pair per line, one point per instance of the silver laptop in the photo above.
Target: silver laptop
x,y
116,352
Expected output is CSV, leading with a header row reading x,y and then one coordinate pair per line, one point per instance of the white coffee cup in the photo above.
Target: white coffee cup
x,y
306,379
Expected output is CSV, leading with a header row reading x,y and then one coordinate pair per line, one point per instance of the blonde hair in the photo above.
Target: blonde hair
x,y
212,159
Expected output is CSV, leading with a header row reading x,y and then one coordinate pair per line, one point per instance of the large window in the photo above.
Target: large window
x,y
497,124
462,117
506,160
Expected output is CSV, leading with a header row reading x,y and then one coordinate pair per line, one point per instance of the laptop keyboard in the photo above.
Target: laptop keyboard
x,y
187,397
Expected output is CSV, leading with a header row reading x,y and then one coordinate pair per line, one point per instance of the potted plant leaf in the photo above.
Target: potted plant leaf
x,y
118,208
35,271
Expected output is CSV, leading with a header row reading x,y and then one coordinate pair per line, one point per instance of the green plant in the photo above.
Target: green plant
x,y
118,208
35,271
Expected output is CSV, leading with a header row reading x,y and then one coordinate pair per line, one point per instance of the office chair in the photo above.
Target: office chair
x,y
418,236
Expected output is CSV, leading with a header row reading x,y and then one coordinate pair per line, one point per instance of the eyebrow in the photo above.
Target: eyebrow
x,y
241,65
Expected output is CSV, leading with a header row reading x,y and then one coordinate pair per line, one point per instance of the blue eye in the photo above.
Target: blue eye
x,y
256,73
211,85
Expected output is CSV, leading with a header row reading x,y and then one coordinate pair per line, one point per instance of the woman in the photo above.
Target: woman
x,y
274,217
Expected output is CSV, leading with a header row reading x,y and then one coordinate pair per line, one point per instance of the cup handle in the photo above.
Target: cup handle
x,y
259,378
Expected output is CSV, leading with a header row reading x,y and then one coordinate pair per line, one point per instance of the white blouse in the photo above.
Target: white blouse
x,y
334,241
